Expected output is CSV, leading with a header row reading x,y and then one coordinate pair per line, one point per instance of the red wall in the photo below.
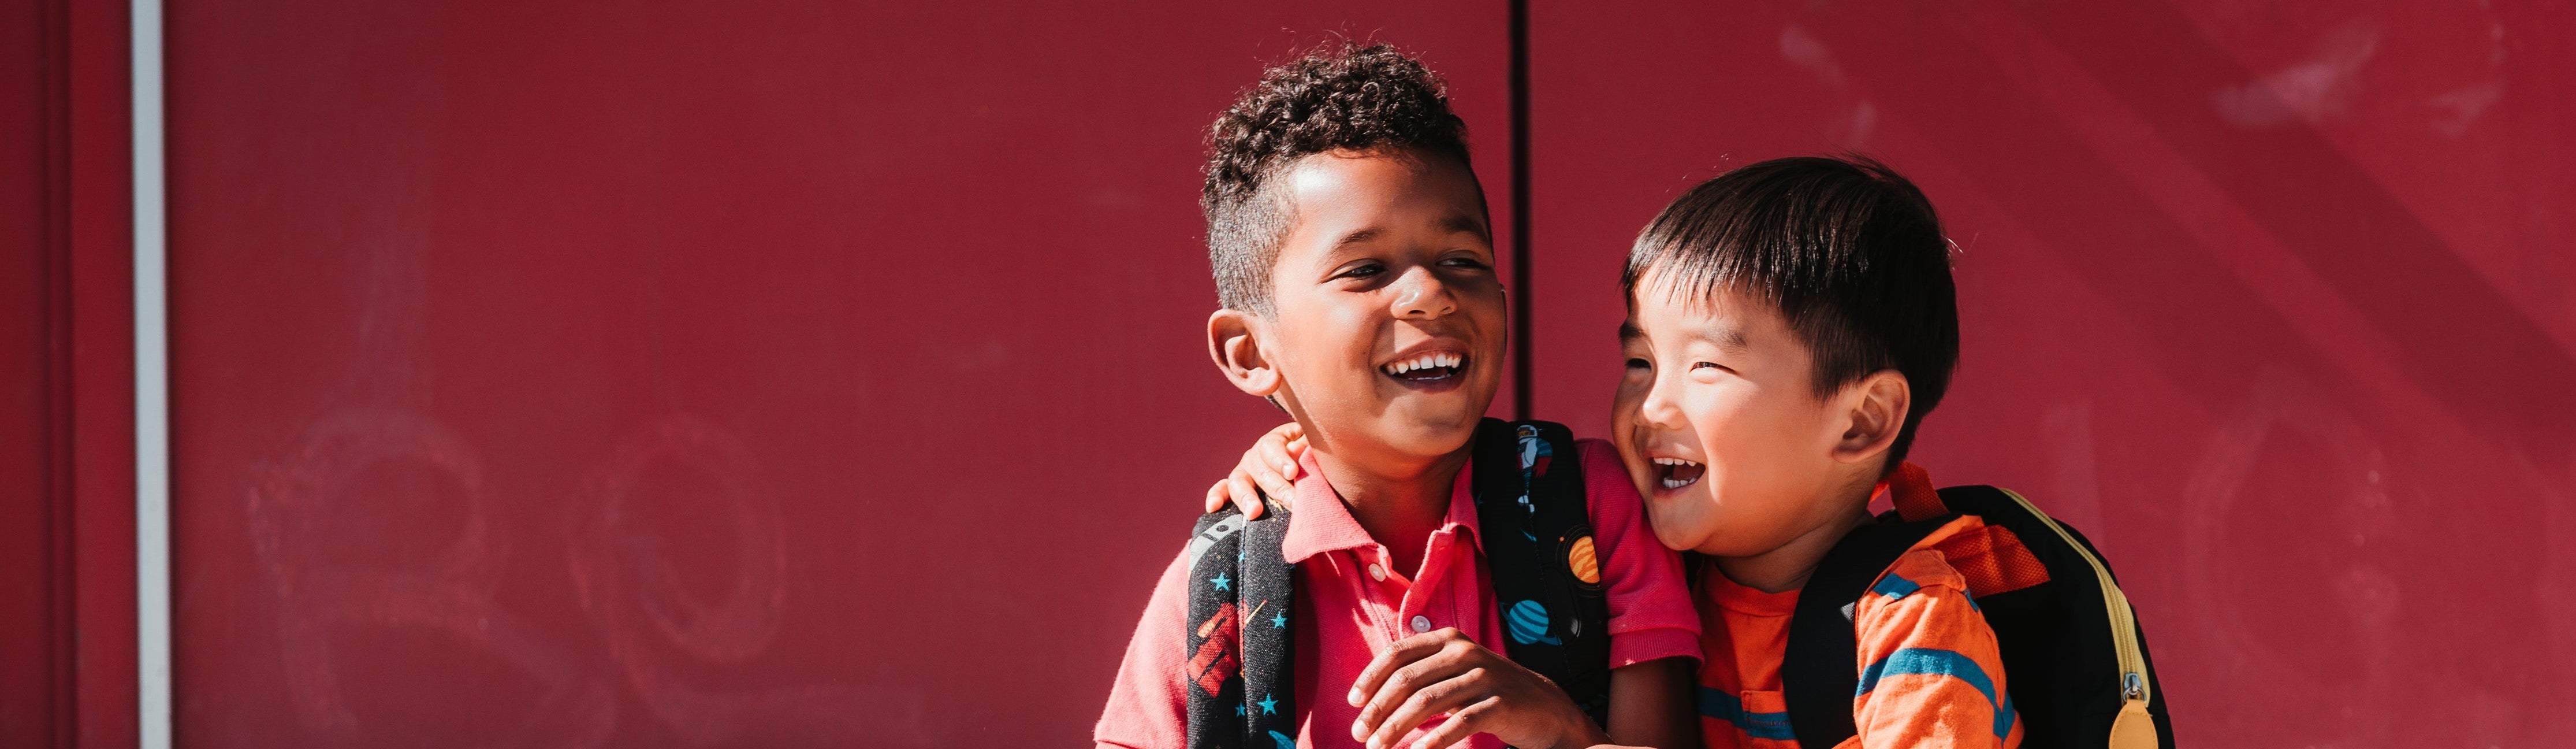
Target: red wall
x,y
686,374
28,573
2276,300
668,374
67,574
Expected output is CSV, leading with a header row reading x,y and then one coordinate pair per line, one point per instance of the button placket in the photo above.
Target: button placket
x,y
1428,583
1436,572
1372,598
1408,609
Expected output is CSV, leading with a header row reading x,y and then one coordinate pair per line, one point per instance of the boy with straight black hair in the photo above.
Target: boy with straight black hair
x,y
1790,324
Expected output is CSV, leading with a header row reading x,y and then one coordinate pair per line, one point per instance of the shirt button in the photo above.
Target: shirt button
x,y
1377,572
1421,624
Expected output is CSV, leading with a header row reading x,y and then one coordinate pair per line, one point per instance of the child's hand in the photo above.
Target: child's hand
x,y
1270,464
1483,692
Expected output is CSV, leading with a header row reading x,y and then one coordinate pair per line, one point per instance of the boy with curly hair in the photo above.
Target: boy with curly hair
x,y
1354,263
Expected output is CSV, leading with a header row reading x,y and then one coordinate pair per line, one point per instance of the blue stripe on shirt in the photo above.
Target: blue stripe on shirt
x,y
1935,662
1894,586
1725,707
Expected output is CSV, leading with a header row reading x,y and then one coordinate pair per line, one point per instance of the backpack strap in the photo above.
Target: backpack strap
x,y
2080,668
1820,672
1535,527
1241,666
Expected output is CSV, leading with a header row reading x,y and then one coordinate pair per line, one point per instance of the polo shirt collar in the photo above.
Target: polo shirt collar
x,y
1320,523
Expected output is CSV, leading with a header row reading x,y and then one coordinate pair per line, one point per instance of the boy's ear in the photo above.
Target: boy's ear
x,y
1876,407
1237,351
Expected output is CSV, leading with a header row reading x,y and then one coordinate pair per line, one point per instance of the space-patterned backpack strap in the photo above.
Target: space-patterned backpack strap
x,y
1269,655
1215,665
1238,643
1536,530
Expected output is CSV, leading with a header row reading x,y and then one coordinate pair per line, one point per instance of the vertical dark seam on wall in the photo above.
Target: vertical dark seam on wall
x,y
1522,352
53,62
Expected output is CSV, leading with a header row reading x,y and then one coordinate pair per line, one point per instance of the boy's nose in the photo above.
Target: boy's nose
x,y
1658,408
1421,294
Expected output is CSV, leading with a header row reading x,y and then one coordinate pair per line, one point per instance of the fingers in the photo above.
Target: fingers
x,y
1403,653
1463,722
1240,488
1271,467
1442,692
1272,463
1420,673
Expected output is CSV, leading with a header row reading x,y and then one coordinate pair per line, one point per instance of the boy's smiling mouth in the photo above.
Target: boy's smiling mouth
x,y
1675,473
1437,369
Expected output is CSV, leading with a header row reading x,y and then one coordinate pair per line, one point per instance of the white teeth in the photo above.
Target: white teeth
x,y
1425,361
1673,483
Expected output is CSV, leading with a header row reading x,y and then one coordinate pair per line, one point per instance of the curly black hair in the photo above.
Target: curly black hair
x,y
1341,96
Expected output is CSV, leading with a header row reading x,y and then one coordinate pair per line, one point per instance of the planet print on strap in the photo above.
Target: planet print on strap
x,y
1527,622
1579,558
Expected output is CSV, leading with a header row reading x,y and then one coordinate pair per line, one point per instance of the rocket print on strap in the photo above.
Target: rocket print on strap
x,y
1216,660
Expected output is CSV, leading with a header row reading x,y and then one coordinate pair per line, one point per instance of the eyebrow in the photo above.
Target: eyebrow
x,y
1450,224
1726,338
1466,224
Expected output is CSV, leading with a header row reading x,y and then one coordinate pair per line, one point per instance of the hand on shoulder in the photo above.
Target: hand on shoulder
x,y
1271,465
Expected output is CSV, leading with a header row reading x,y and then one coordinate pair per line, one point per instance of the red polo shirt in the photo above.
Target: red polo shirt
x,y
1352,604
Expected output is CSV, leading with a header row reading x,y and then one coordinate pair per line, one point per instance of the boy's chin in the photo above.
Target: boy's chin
x,y
1430,431
1678,523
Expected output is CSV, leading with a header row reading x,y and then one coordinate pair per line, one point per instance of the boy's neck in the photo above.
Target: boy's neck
x,y
1786,567
1400,506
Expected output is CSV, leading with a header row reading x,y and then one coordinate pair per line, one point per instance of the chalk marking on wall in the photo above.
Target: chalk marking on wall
x,y
2284,404
291,512
660,634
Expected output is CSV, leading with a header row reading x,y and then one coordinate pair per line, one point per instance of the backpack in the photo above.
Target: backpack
x,y
2079,675
1536,531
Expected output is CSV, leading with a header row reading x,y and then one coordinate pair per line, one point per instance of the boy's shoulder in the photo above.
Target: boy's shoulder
x,y
1928,595
1966,556
1925,648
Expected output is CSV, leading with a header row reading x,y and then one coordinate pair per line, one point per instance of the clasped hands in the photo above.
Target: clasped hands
x,y
1442,672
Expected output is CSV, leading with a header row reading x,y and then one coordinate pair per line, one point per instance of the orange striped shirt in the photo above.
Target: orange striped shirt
x,y
1930,673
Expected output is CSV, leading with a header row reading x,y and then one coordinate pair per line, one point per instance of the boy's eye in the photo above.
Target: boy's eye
x,y
1366,271
1639,364
1463,262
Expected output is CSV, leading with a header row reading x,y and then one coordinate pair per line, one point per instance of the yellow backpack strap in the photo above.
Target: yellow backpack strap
x,y
2135,728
